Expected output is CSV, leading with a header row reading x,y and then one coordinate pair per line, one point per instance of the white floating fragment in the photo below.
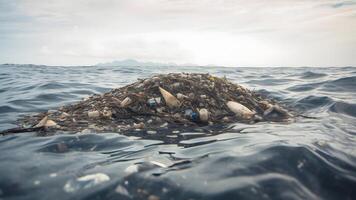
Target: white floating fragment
x,y
36,182
70,187
164,125
127,101
85,182
95,178
204,115
151,132
122,190
140,125
93,114
171,100
158,100
181,96
131,169
158,164
240,110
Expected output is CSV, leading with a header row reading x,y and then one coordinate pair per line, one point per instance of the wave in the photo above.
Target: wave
x,y
313,102
7,109
52,85
347,84
309,158
270,81
344,108
312,75
304,87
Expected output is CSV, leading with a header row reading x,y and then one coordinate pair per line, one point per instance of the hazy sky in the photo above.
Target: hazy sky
x,y
222,32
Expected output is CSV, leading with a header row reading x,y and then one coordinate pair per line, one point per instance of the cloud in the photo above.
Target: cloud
x,y
229,32
342,4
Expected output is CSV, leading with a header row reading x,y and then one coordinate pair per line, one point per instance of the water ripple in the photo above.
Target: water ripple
x,y
310,158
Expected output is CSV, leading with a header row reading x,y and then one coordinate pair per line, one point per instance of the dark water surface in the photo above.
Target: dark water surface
x,y
312,158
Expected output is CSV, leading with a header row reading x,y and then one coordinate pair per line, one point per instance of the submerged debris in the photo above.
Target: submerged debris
x,y
177,99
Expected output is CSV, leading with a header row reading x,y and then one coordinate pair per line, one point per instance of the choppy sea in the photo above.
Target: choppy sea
x,y
311,158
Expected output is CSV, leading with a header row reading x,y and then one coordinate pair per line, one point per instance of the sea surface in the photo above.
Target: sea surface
x,y
313,157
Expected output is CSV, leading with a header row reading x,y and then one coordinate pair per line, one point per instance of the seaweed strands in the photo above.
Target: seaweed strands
x,y
177,99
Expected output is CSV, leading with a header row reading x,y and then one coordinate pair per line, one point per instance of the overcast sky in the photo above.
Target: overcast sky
x,y
221,32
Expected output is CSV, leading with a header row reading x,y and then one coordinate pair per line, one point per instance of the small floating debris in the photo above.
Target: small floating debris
x,y
42,123
204,115
37,182
94,114
50,123
127,101
85,182
171,100
131,169
163,101
153,197
45,122
122,190
240,110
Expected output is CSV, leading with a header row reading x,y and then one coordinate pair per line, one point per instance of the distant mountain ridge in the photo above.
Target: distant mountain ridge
x,y
135,63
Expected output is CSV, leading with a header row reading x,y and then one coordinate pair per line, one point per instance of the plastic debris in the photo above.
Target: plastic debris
x,y
95,178
85,182
181,96
152,103
177,99
191,115
159,164
153,197
140,125
50,123
43,122
93,114
276,113
127,101
122,190
240,110
171,100
107,113
131,169
204,115
151,132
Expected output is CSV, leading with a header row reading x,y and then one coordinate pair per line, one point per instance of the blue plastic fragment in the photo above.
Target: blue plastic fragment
x,y
190,114
151,103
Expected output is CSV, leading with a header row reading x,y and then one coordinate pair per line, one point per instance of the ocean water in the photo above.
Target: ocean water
x,y
311,158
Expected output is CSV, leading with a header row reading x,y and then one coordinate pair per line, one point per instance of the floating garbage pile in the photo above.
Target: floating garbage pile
x,y
176,99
